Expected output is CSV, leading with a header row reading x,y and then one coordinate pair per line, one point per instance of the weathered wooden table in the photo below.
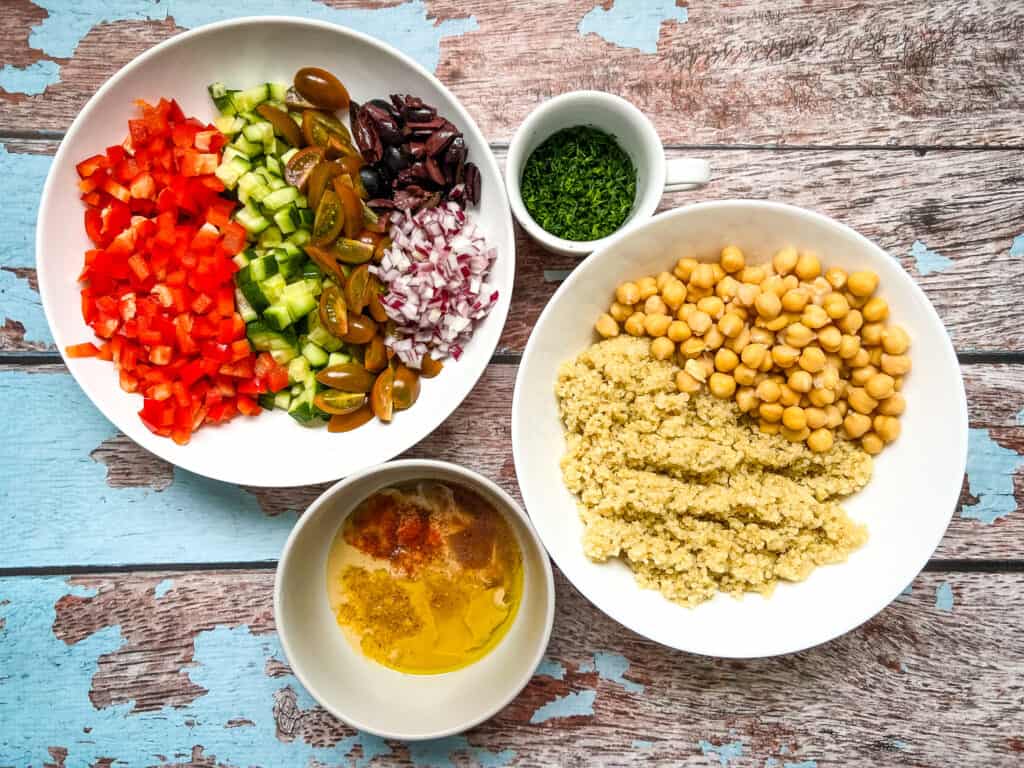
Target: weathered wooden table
x,y
135,599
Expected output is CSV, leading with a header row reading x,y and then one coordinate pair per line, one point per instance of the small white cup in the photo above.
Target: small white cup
x,y
631,130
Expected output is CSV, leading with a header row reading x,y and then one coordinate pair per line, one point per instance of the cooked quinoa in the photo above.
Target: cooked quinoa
x,y
687,490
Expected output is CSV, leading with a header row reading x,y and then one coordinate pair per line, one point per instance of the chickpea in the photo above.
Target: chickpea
x,y
860,359
753,354
634,324
620,312
795,299
699,322
835,305
794,418
886,427
695,293
856,424
807,266
693,347
849,346
768,305
785,260
895,365
880,386
828,379
761,336
673,293
730,326
767,364
821,397
862,283
872,444
876,309
778,323
799,335
744,375
871,334
784,355
860,400
662,280
875,353
703,276
800,381
770,412
747,294
686,383
830,338
774,284
740,341
684,268
718,272
897,383
789,396
647,286
894,405
727,288
812,359
606,326
714,338
895,340
662,348
768,391
816,417
794,436
851,322
726,360
746,399
657,325
815,317
628,293
843,406
696,368
678,331
820,440
836,277
712,305
769,428
655,306
752,275
789,283
732,259
722,385
833,416
856,302
685,311
861,376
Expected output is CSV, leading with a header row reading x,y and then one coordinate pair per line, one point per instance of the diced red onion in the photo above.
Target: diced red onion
x,y
435,274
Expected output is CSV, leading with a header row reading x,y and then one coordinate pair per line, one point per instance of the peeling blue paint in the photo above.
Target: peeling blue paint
x,y
23,176
612,666
1017,246
438,753
30,80
928,261
574,704
903,667
771,762
163,588
408,26
194,519
1020,418
899,744
550,668
642,744
632,23
908,590
944,597
586,666
725,753
803,764
990,470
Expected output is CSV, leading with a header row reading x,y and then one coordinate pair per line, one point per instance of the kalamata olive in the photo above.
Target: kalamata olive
x,y
418,114
348,377
388,129
321,88
472,183
374,184
439,139
388,107
367,138
396,158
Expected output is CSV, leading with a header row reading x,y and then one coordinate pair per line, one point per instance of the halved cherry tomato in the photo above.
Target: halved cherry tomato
x,y
375,356
349,421
357,289
330,217
283,124
333,311
353,209
406,388
347,377
301,165
320,87
319,180
430,367
360,329
381,396
325,260
338,403
318,128
374,304
351,251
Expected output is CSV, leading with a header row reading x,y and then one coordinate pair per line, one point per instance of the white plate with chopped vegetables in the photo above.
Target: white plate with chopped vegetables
x,y
296,258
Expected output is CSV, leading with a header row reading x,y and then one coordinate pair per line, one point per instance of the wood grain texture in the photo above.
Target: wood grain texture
x,y
750,71
136,508
967,207
912,687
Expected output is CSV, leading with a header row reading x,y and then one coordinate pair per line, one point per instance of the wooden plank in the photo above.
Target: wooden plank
x,y
125,506
185,669
955,220
828,73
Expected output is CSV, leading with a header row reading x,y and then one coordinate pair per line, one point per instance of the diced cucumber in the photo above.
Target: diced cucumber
x,y
241,259
284,356
292,250
245,309
337,358
248,148
222,98
249,99
280,198
257,270
231,170
298,370
311,270
283,220
229,125
302,218
274,166
278,91
270,237
277,316
315,354
288,155
253,222
301,408
273,288
259,133
282,400
276,182
299,300
319,335
266,400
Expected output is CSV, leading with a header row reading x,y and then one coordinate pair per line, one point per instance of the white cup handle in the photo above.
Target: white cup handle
x,y
686,173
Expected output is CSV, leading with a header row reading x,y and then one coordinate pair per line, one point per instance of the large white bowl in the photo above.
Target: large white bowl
x,y
906,506
271,449
374,698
